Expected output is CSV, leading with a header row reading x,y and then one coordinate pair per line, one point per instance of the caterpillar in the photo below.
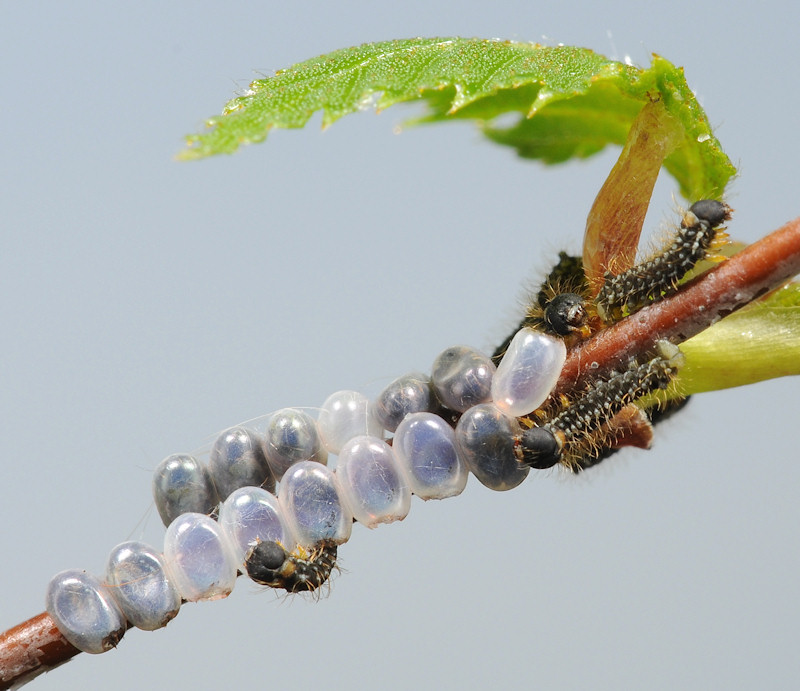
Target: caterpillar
x,y
582,434
586,430
658,277
564,307
560,306
269,563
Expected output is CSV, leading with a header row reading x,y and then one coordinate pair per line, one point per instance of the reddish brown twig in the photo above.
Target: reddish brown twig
x,y
33,647
36,645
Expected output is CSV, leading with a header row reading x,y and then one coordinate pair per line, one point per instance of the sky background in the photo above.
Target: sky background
x,y
147,304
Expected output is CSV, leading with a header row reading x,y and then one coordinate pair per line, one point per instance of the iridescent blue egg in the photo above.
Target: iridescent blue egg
x,y
312,505
528,371
198,558
251,515
344,415
485,441
84,611
462,377
182,484
292,436
424,446
237,460
141,586
371,482
408,394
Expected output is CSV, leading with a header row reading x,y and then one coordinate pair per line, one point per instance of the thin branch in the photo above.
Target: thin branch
x,y
37,646
33,647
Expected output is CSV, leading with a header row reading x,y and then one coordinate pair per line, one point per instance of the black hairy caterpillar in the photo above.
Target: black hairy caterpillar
x,y
588,429
578,437
658,277
268,563
564,306
560,305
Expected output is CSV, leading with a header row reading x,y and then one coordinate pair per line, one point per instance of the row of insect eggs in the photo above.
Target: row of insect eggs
x,y
372,483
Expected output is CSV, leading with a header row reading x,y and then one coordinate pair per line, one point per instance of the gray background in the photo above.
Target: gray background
x,y
147,304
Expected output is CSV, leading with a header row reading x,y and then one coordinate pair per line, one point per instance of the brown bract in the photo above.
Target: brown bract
x,y
615,220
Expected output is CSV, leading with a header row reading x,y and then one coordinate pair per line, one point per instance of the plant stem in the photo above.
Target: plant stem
x,y
33,647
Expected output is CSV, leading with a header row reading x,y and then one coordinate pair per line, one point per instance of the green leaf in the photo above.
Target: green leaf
x,y
572,102
759,342
584,124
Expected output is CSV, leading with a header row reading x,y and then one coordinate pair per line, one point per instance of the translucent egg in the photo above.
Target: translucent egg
x,y
528,372
424,446
182,484
371,482
462,377
84,611
485,441
292,436
141,587
238,460
250,515
408,394
344,415
198,558
312,506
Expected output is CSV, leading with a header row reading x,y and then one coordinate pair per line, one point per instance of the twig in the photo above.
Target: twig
x,y
37,646
33,647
